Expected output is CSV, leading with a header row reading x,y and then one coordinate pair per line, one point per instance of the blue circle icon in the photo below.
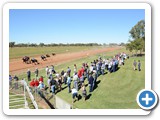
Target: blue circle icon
x,y
147,99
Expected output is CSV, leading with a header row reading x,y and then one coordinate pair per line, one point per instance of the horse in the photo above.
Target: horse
x,y
25,59
43,57
35,61
47,55
53,54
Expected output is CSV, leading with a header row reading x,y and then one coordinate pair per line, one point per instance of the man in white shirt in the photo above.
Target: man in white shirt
x,y
47,71
75,80
74,94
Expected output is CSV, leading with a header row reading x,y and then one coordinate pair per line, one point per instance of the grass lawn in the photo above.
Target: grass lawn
x,y
114,91
19,52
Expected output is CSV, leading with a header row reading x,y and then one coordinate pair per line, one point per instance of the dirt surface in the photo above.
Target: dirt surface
x,y
16,66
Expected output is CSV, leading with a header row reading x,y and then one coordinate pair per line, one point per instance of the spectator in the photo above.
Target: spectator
x,y
53,71
36,73
36,83
15,82
110,67
69,72
94,79
74,94
41,79
139,65
10,81
29,75
75,68
91,79
84,92
47,71
32,83
48,81
134,64
75,80
65,78
81,79
60,83
41,89
69,84
103,68
53,86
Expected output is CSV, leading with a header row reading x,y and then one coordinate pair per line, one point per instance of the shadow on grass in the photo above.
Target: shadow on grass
x,y
49,104
96,85
88,96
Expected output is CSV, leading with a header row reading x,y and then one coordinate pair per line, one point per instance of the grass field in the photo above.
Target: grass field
x,y
114,91
19,52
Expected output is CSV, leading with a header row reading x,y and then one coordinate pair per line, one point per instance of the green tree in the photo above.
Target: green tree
x,y
138,31
41,44
11,44
137,34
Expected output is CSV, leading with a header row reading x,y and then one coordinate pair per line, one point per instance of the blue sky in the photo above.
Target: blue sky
x,y
72,25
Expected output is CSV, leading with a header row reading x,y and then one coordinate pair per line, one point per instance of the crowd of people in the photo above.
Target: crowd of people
x,y
88,73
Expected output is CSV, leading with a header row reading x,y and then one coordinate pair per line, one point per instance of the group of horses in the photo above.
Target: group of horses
x,y
27,59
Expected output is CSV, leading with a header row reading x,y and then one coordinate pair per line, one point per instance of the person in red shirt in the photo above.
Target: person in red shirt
x,y
82,71
36,83
32,83
41,79
79,73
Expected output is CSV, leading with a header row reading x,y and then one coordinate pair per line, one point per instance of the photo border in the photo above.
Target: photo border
x,y
9,6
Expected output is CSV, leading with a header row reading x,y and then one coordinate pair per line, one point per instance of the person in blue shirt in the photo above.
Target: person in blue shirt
x,y
69,84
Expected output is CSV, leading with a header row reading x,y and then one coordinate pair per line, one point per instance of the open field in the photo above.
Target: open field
x,y
114,91
19,52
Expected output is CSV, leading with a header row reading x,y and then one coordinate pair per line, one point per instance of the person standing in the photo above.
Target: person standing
x,y
10,81
74,94
139,65
91,79
134,64
29,75
75,68
75,81
36,73
84,92
69,72
47,71
53,86
69,84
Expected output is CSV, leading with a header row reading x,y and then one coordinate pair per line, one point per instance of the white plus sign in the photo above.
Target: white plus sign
x,y
147,99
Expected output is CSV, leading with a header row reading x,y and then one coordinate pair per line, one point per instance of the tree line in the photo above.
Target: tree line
x,y
13,44
137,38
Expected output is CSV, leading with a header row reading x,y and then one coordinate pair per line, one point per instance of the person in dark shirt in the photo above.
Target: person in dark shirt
x,y
53,86
29,75
91,79
139,65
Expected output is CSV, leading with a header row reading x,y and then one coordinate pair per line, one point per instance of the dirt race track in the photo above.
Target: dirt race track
x,y
16,66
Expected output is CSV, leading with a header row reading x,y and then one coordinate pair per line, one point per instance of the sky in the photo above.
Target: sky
x,y
72,25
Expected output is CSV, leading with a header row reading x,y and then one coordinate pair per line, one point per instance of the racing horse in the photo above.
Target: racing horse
x,y
53,54
47,55
35,61
43,57
25,59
